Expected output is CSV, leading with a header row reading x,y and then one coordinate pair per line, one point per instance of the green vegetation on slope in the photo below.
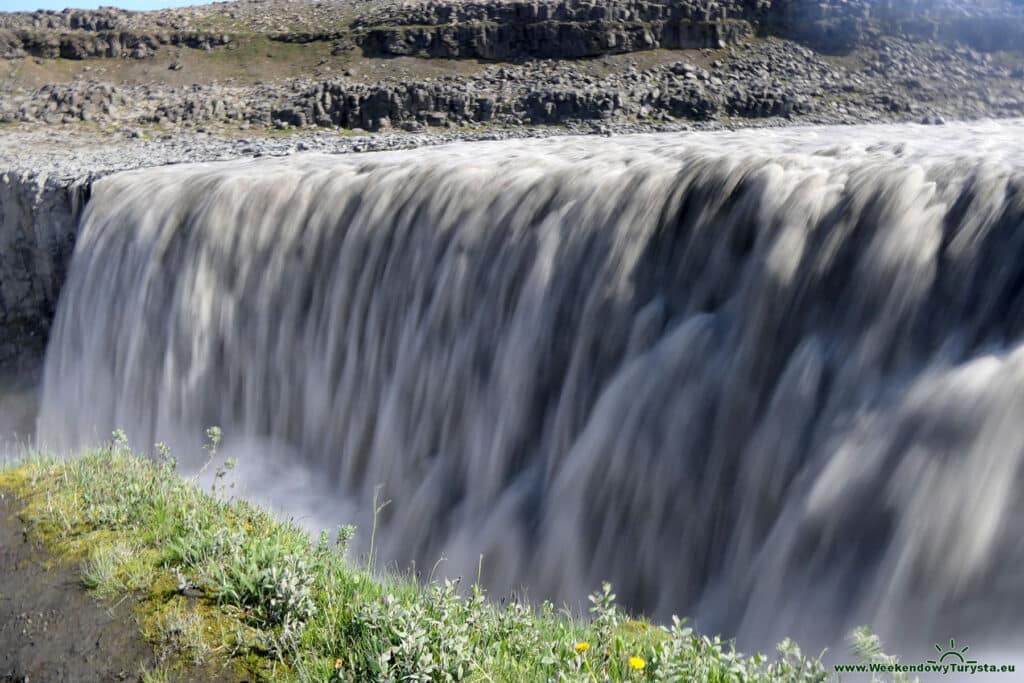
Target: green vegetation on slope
x,y
224,586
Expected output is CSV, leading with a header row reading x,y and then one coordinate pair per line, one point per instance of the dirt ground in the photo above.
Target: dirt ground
x,y
50,630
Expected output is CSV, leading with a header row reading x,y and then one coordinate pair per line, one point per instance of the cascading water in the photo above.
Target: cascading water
x,y
767,379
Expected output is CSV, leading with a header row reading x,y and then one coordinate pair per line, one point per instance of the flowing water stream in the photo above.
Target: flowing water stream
x,y
770,379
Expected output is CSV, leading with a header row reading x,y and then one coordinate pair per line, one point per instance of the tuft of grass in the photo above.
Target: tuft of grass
x,y
180,633
160,675
111,570
223,584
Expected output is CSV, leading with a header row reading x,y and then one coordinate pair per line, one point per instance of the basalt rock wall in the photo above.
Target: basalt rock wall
x,y
38,222
562,30
511,30
550,39
576,28
842,25
15,44
671,91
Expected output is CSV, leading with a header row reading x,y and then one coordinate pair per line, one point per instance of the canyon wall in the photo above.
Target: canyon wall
x,y
38,221
527,29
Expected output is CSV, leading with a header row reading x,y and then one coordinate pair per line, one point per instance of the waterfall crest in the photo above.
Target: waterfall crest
x,y
769,379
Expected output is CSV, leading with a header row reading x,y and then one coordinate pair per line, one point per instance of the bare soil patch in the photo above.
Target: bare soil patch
x,y
50,630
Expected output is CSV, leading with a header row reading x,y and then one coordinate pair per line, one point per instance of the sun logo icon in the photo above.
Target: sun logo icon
x,y
958,655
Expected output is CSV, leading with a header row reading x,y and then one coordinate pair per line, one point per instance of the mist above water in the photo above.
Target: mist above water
x,y
770,379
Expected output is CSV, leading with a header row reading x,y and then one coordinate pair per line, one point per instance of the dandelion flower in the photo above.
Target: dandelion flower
x,y
637,663
338,664
582,647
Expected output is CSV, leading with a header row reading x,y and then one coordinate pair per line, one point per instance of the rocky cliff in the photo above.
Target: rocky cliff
x,y
563,30
521,29
511,30
85,45
38,219
843,25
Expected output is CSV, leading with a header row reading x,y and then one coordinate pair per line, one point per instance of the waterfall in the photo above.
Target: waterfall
x,y
770,379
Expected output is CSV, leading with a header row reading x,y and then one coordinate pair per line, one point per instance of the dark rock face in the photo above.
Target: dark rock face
x,y
988,34
520,29
84,45
10,45
532,11
563,30
104,19
38,219
771,78
66,103
841,25
372,107
514,30
549,39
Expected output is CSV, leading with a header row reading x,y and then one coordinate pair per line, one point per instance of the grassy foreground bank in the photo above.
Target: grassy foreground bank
x,y
225,586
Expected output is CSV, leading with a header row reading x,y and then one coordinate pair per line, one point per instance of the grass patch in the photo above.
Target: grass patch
x,y
223,584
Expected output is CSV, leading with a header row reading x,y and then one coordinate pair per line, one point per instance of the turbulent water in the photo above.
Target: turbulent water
x,y
770,379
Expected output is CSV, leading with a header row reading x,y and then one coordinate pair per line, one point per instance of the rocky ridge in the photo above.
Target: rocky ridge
x,y
842,26
904,61
512,30
900,80
86,45
518,29
38,216
428,72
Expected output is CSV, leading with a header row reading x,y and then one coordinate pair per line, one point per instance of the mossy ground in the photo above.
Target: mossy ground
x,y
222,585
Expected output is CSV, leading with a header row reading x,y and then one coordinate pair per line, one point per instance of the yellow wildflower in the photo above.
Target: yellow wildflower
x,y
637,663
338,664
582,647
